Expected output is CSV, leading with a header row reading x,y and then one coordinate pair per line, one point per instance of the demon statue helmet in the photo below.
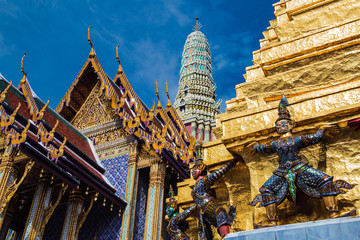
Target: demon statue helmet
x,y
171,208
199,167
284,123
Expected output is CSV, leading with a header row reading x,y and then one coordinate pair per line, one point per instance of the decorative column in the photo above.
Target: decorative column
x,y
40,202
193,129
73,211
201,131
155,201
127,228
8,173
207,133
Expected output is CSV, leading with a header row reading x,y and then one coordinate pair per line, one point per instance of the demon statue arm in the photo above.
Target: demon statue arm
x,y
186,213
214,176
311,139
210,211
263,148
302,141
178,225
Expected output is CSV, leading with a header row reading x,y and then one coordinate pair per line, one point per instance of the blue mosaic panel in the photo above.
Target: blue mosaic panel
x,y
67,219
116,171
33,209
141,199
102,223
54,226
150,212
161,215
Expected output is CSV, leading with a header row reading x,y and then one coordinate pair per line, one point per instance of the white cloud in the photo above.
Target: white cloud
x,y
154,62
8,9
6,48
174,8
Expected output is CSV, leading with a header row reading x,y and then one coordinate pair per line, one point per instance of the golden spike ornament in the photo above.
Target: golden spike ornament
x,y
157,95
44,136
148,117
92,52
9,120
3,94
56,153
38,116
120,70
167,94
22,69
21,138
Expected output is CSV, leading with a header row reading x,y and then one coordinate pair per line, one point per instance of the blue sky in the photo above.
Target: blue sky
x,y
151,35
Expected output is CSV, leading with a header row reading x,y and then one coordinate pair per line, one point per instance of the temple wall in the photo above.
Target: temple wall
x,y
310,53
102,223
116,171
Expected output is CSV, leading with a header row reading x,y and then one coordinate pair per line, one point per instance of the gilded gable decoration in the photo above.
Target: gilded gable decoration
x,y
41,142
158,128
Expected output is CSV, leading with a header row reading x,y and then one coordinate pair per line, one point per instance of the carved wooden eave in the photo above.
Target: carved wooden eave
x,y
50,140
159,129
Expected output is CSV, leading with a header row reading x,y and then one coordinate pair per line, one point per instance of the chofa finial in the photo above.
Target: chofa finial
x,y
167,94
22,68
157,95
120,70
92,52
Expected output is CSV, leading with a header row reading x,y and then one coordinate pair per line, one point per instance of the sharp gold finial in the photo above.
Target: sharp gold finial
x,y
197,24
167,94
22,68
157,94
40,115
120,70
152,108
92,52
3,93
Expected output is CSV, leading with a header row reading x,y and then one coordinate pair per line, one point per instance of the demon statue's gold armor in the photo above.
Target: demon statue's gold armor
x,y
210,212
293,173
177,224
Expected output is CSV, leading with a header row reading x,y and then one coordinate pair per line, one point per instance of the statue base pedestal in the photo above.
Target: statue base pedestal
x,y
332,229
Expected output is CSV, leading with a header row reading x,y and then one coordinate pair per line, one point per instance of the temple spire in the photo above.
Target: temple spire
x,y
195,102
120,70
197,25
157,94
22,68
92,52
167,94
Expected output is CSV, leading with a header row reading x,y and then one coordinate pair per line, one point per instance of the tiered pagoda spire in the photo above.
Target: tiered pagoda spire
x,y
196,99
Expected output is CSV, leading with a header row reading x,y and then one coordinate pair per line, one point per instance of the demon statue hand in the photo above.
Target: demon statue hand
x,y
177,224
211,213
293,174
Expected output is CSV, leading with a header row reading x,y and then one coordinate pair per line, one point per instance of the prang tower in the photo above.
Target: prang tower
x,y
196,99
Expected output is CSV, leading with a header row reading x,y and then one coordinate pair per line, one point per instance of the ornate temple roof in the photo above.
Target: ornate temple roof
x,y
42,134
196,95
158,128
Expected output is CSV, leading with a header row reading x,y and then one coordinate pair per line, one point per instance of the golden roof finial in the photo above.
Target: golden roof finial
x,y
157,94
22,69
3,93
92,52
167,94
120,70
197,24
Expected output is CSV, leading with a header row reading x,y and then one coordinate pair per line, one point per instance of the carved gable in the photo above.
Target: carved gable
x,y
93,111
